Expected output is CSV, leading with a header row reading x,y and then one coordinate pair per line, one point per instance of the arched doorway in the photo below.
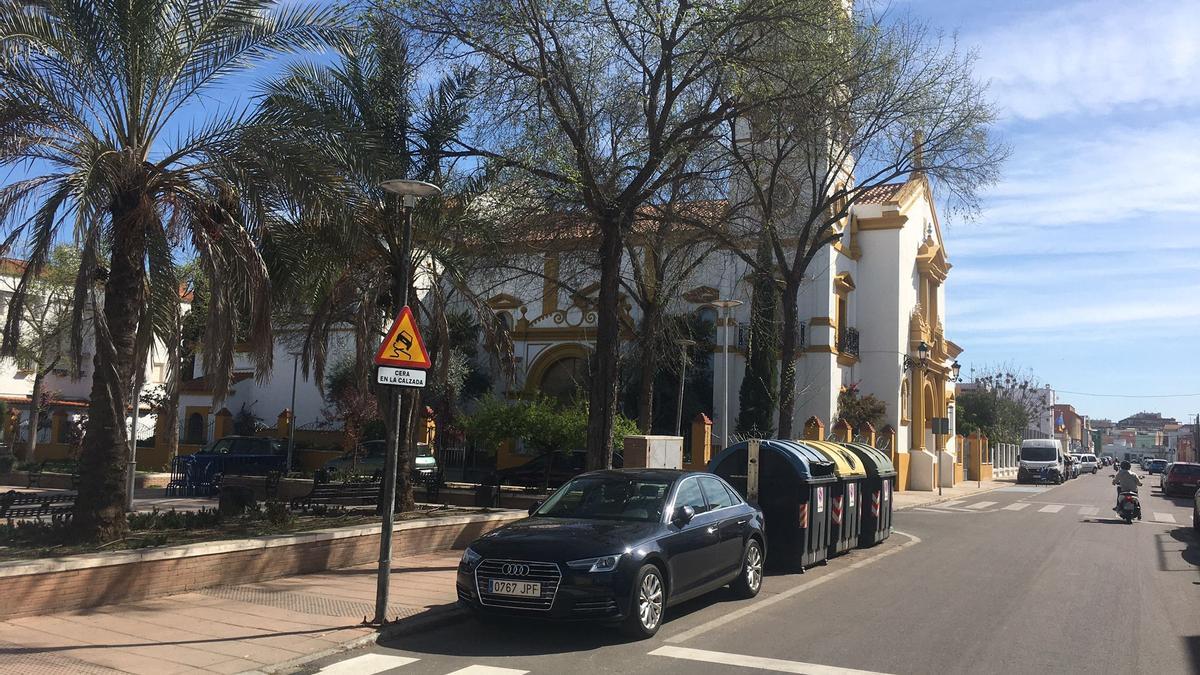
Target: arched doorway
x,y
194,430
931,411
561,373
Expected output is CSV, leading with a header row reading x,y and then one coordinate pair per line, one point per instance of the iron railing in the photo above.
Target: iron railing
x,y
848,342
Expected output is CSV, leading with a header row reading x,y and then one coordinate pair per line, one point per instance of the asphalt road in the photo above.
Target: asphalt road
x,y
1020,580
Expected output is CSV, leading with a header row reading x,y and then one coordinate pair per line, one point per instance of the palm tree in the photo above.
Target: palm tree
x,y
107,108
343,262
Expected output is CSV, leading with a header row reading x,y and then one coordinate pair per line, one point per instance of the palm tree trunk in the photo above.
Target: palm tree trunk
x,y
35,413
602,393
99,508
787,354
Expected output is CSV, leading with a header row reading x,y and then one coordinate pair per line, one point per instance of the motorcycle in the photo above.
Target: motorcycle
x,y
1129,506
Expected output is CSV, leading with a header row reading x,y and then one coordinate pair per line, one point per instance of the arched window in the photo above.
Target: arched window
x,y
564,378
504,321
904,403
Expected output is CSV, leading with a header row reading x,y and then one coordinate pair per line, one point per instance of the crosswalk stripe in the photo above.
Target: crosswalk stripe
x,y
367,664
1088,510
1016,507
757,662
1051,508
488,670
1164,517
981,505
955,502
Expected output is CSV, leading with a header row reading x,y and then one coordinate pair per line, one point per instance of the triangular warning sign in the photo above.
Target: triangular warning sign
x,y
403,346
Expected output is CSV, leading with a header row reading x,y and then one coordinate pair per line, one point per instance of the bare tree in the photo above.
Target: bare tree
x,y
858,104
598,106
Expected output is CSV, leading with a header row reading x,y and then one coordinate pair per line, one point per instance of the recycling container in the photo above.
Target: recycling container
x,y
845,507
794,490
876,523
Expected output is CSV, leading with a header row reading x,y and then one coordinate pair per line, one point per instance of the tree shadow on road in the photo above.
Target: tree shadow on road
x,y
1191,554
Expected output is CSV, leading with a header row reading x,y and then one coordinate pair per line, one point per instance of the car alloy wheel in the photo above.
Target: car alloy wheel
x,y
749,581
650,601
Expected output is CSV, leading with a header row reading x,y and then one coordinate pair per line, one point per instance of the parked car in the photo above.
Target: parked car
x,y
1156,466
1042,460
242,455
1088,464
1196,511
368,458
549,469
1181,478
619,546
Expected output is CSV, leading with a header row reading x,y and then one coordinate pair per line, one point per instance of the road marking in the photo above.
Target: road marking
x,y
1016,507
703,628
1051,508
488,670
954,502
367,664
981,505
758,662
1088,510
1164,517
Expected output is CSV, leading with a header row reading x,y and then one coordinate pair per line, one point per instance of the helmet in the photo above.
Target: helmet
x,y
1125,465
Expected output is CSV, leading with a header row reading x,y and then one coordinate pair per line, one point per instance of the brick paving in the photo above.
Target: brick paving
x,y
229,629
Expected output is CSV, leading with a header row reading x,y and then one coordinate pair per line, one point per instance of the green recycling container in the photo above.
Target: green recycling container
x,y
795,490
845,508
876,523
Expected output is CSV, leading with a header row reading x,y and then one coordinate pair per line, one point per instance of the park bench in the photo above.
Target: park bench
x,y
353,493
33,475
15,504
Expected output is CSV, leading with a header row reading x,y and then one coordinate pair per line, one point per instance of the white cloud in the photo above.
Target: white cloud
x,y
1094,57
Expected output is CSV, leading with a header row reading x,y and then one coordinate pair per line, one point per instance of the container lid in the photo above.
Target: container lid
x,y
805,463
846,463
876,461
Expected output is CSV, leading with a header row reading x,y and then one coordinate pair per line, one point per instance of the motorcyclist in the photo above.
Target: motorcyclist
x,y
1126,481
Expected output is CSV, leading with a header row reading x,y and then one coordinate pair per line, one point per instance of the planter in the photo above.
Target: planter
x,y
34,587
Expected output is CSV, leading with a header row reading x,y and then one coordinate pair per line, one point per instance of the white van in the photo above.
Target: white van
x,y
1041,460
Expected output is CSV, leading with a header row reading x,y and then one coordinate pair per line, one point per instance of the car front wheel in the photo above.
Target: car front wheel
x,y
749,580
648,604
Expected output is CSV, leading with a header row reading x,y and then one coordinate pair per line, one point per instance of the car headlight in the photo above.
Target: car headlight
x,y
470,558
604,563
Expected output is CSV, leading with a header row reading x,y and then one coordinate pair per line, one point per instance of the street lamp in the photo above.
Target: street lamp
x,y
728,306
292,426
683,359
955,371
922,357
410,192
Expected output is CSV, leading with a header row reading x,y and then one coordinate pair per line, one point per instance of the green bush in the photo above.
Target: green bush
x,y
543,424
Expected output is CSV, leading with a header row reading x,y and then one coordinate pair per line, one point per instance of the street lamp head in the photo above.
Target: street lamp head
x,y
955,369
411,188
923,350
726,304
685,343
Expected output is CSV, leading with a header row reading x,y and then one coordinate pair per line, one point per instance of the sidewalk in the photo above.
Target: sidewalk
x,y
912,498
261,627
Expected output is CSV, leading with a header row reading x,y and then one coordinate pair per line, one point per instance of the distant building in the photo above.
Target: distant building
x,y
1146,421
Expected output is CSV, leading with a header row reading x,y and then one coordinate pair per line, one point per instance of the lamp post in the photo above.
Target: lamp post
x,y
292,426
728,306
410,192
683,359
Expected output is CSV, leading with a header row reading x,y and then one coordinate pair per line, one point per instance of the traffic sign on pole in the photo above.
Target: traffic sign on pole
x,y
403,346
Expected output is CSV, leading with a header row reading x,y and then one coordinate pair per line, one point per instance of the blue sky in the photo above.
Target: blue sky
x,y
1084,266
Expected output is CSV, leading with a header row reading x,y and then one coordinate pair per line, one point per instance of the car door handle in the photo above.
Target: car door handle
x,y
712,529
743,521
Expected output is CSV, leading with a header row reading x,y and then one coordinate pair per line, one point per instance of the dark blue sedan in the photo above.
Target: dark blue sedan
x,y
618,546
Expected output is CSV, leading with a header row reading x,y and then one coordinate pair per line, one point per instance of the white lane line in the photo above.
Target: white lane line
x,y
981,505
1016,507
703,628
367,664
757,662
1052,508
488,670
955,502
1088,510
1164,517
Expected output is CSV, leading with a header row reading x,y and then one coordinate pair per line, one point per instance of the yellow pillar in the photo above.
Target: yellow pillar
x,y
843,431
223,426
701,443
283,424
867,431
814,430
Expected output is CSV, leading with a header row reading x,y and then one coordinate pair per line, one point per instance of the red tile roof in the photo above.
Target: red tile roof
x,y
881,194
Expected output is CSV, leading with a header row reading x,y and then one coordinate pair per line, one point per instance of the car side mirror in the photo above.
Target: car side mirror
x,y
683,515
535,506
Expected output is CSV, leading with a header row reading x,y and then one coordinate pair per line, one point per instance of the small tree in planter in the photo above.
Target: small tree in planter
x,y
857,409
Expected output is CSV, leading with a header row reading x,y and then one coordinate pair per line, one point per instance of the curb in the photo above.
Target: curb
x,y
947,498
427,620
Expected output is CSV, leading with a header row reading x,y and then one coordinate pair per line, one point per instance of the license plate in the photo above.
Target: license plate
x,y
527,589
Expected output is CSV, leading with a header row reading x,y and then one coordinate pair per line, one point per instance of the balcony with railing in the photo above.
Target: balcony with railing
x,y
847,342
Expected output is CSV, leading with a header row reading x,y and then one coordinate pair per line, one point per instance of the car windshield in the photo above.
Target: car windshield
x,y
608,498
426,460
1038,454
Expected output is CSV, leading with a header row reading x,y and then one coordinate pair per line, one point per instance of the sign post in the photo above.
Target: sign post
x,y
940,427
402,361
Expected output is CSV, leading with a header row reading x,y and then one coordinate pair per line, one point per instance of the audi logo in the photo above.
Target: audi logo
x,y
515,570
